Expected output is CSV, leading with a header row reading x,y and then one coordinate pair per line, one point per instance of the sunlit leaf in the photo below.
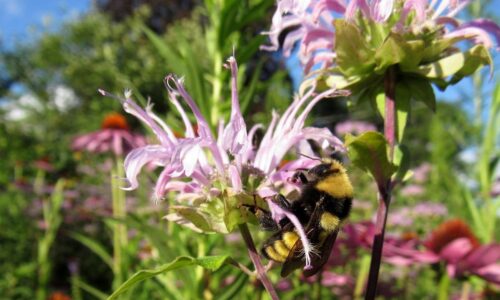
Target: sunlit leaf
x,y
369,152
211,263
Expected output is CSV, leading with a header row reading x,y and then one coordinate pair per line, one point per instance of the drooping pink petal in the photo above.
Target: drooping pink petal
x,y
482,256
456,250
490,272
279,213
139,157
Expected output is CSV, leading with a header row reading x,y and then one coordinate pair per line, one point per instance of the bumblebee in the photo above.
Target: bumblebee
x,y
324,203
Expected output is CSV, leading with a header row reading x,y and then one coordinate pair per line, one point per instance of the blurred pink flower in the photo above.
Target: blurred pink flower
x,y
114,136
454,244
353,127
421,172
412,190
405,216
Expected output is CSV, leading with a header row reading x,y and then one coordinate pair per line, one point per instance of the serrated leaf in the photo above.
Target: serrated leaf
x,y
368,152
444,67
396,50
212,263
475,57
421,90
354,55
437,47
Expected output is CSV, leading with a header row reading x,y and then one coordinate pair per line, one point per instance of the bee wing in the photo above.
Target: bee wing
x,y
295,258
326,249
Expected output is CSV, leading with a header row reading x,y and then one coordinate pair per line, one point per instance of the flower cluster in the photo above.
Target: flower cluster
x,y
212,176
354,41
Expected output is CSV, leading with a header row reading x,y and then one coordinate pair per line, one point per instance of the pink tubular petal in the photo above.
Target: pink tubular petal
x,y
162,181
279,213
328,6
178,88
235,178
477,35
353,7
382,10
139,157
419,6
132,108
235,134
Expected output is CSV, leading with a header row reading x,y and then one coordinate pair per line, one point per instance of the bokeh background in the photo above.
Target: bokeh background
x,y
68,232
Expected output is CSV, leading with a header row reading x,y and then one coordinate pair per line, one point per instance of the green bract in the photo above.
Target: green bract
x,y
421,58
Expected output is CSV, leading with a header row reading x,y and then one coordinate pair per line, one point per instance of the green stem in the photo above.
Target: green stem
x,y
254,256
465,291
119,228
384,190
444,285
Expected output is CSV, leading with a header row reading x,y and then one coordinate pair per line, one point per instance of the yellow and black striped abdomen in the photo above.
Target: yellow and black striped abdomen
x,y
279,248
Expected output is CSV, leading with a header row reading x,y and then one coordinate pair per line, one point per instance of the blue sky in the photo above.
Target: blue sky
x,y
19,18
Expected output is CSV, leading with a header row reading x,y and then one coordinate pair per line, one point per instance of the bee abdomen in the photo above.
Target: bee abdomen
x,y
278,250
329,222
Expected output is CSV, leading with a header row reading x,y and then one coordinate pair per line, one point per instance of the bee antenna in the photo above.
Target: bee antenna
x,y
313,158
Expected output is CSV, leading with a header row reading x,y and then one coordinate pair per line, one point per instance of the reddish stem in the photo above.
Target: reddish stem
x,y
254,256
384,190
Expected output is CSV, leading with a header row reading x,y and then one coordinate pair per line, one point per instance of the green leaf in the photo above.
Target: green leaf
x,y
436,47
231,291
396,50
444,67
93,245
421,90
402,160
380,102
90,289
211,263
354,55
475,57
368,152
196,216
403,96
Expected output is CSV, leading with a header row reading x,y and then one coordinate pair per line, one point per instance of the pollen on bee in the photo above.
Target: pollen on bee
x,y
290,238
329,222
281,248
272,254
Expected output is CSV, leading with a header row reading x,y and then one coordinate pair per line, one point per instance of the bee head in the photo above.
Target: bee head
x,y
327,168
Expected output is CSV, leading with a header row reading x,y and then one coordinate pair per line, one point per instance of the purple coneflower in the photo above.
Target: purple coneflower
x,y
454,244
114,136
214,176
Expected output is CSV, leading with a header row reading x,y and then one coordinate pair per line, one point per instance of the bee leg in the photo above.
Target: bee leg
x,y
282,201
299,178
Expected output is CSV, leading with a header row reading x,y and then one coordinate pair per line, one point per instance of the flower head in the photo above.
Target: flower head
x,y
355,41
114,136
213,176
